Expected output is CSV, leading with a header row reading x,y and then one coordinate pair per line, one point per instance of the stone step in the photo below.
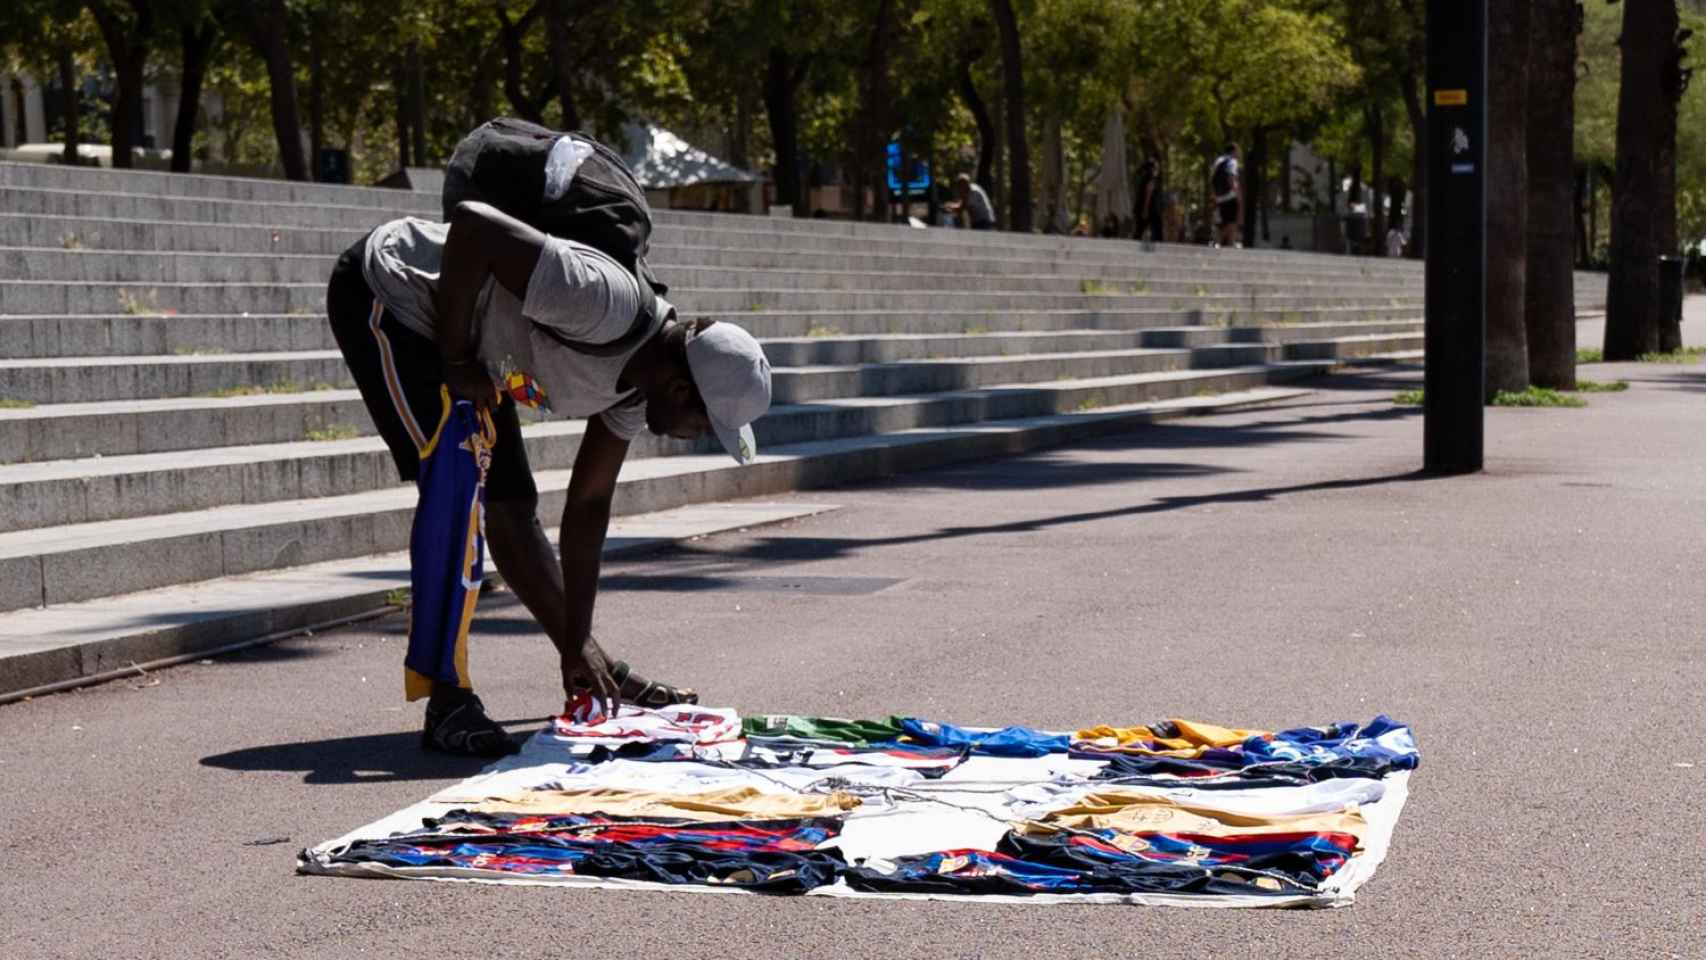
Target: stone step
x,y
46,649
717,248
142,267
807,351
741,269
94,379
673,227
693,247
158,183
29,297
121,334
67,431
64,564
57,492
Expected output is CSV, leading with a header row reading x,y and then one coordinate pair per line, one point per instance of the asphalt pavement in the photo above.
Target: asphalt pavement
x,y
1539,625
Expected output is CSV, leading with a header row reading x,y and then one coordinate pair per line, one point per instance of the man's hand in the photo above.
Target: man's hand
x,y
468,380
590,666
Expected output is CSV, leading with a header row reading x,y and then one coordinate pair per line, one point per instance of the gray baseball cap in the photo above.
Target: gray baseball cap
x,y
733,376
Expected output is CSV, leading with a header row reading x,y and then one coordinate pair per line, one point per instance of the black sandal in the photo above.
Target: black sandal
x,y
641,692
462,727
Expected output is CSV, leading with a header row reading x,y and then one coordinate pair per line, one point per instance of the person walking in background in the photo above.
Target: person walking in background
x,y
1228,186
1149,201
973,202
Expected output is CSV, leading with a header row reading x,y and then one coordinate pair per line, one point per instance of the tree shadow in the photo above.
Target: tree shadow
x,y
769,550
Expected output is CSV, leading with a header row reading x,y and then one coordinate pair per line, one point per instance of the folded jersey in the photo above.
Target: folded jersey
x,y
1006,742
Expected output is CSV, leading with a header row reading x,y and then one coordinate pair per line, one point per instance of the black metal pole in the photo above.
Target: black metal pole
x,y
1452,430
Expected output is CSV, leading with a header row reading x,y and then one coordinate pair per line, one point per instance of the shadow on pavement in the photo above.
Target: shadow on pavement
x,y
796,549
373,758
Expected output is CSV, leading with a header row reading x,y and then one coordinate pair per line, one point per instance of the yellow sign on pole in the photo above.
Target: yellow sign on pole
x,y
1451,98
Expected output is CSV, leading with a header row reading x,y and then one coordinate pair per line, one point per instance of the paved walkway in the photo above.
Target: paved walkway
x,y
1540,626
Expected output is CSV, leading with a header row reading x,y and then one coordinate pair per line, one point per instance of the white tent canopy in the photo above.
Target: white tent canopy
x,y
661,160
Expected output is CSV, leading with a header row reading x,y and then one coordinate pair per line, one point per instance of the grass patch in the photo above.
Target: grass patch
x,y
1601,386
1207,392
1536,397
6,404
1140,285
1408,398
256,389
335,431
1201,290
1590,355
1684,355
137,305
70,241
1092,286
823,330
1087,404
975,330
398,597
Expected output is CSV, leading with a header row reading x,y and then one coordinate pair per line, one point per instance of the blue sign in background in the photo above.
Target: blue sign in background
x,y
919,169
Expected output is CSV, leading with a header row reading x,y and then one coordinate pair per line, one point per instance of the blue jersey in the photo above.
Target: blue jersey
x,y
445,548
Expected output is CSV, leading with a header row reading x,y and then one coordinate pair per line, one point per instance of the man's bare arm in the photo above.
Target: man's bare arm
x,y
586,521
483,242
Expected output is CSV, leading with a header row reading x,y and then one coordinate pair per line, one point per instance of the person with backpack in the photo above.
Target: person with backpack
x,y
489,309
1228,188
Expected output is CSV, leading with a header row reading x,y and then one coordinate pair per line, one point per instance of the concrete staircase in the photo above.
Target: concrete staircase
x,y
174,413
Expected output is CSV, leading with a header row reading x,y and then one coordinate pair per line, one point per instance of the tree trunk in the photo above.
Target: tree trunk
x,y
417,105
316,90
127,44
1581,205
485,79
269,32
740,138
1507,200
875,111
1418,247
997,186
782,78
1256,186
198,44
71,108
1377,176
1055,219
558,40
980,115
400,104
1019,157
1632,292
1550,284
1673,81
510,35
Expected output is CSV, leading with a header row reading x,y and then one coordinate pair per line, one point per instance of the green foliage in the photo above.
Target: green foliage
x,y
336,431
1684,355
1408,398
1536,397
1590,355
1601,386
1596,116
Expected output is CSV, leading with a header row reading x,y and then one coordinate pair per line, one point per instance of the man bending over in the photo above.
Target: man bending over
x,y
493,308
